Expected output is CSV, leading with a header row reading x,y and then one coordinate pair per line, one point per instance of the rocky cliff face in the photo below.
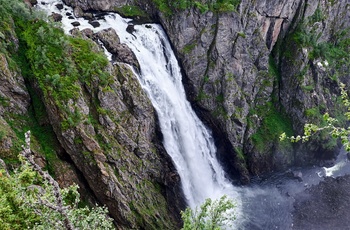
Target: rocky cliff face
x,y
268,67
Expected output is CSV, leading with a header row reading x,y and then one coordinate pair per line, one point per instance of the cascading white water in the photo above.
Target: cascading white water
x,y
186,139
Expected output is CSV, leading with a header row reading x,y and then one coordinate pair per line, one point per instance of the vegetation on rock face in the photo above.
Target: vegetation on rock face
x,y
330,125
273,124
130,11
169,6
46,48
335,52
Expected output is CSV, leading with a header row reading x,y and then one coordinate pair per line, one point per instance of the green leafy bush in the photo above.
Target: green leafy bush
x,y
212,215
60,64
329,126
31,199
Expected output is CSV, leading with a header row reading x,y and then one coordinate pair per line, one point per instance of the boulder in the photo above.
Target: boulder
x,y
94,23
298,175
76,23
59,6
130,28
120,52
56,17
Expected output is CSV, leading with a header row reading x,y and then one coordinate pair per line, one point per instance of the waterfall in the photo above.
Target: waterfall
x,y
186,139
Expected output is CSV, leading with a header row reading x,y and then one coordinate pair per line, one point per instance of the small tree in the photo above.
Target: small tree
x,y
31,198
331,125
212,215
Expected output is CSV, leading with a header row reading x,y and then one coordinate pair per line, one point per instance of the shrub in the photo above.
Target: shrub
x,y
212,215
31,198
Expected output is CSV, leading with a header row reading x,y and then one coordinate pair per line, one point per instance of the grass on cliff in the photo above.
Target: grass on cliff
x,y
273,124
168,7
60,64
336,50
130,11
57,64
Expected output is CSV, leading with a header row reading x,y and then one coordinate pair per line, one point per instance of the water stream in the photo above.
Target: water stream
x,y
266,204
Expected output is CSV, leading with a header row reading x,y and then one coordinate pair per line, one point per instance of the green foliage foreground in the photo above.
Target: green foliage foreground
x,y
31,199
212,215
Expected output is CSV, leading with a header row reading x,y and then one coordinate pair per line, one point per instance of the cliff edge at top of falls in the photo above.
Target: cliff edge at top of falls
x,y
256,70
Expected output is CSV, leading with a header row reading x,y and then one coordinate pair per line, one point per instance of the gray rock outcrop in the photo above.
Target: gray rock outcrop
x,y
120,52
114,145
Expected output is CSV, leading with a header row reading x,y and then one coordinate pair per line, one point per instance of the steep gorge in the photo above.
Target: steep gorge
x,y
267,67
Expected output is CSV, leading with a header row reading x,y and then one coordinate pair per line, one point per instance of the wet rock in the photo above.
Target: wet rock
x,y
75,23
88,32
94,23
78,12
88,16
130,28
56,17
68,14
298,175
71,17
125,54
110,39
59,6
120,52
100,16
